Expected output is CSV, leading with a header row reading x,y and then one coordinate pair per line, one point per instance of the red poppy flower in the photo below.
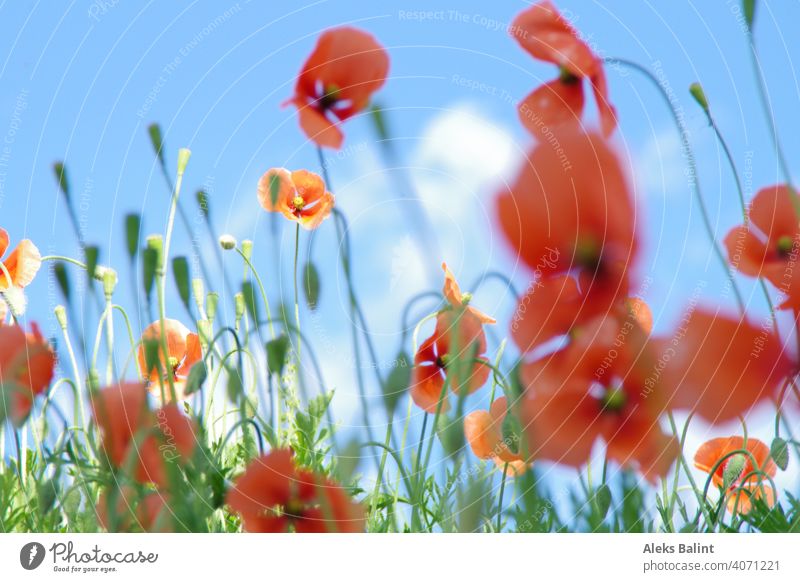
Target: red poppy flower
x,y
27,364
21,265
300,196
457,338
744,485
337,81
546,35
275,495
768,244
183,352
124,510
134,437
454,296
484,432
721,366
596,389
570,211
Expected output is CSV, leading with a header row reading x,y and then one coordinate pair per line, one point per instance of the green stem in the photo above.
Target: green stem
x,y
695,180
500,499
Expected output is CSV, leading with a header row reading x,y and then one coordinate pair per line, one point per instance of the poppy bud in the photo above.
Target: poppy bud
x,y
227,242
198,292
92,380
749,8
238,307
180,270
451,435
397,382
183,159
779,451
151,350
133,226
204,332
249,293
109,281
197,376
696,89
212,299
61,316
311,285
61,178
247,248
276,354
202,202
154,131
733,469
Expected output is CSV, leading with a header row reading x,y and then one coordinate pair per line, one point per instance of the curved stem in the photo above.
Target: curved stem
x,y
691,162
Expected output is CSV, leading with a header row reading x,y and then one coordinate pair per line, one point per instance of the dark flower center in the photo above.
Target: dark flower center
x,y
784,245
614,400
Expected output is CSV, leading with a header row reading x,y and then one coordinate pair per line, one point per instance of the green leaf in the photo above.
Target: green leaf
x,y
276,354
133,226
180,270
311,284
779,450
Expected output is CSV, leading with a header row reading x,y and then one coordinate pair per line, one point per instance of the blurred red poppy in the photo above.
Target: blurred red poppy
x,y
570,211
743,484
596,388
337,81
21,265
300,196
454,353
275,495
721,366
183,351
27,365
546,35
767,244
135,438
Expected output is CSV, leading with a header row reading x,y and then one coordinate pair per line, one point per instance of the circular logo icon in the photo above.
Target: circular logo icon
x,y
31,555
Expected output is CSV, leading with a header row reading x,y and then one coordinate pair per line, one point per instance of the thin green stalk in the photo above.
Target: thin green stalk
x,y
296,294
183,159
770,117
500,499
691,162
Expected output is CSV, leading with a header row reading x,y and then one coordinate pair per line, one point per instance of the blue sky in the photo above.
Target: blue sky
x,y
81,82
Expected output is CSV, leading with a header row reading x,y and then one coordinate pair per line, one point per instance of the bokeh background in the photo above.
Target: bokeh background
x,y
81,81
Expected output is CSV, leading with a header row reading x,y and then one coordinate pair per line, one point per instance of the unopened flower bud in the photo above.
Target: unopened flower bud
x,y
227,242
